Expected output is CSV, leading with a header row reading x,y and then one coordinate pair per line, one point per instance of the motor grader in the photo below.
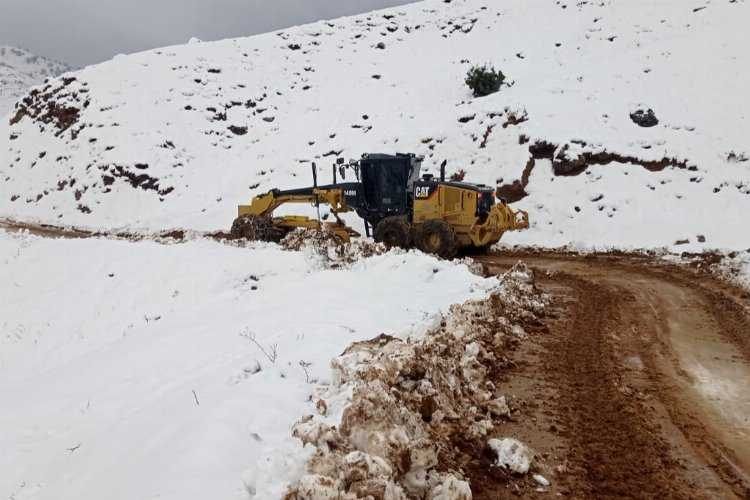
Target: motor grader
x,y
401,207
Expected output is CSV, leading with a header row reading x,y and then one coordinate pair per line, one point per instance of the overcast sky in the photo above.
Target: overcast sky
x,y
82,32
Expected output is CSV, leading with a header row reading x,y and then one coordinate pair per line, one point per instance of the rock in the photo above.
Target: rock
x,y
645,118
512,454
237,130
380,45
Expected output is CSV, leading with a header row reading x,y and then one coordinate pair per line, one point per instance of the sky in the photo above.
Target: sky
x,y
81,32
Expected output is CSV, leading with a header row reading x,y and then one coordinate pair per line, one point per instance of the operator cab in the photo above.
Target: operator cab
x,y
387,182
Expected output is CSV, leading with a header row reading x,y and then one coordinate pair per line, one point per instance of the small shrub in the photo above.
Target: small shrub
x,y
484,80
458,176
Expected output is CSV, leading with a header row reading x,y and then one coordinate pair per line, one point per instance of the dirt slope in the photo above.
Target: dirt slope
x,y
639,390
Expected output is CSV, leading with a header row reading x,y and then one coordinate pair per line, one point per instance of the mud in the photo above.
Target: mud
x,y
639,388
565,165
71,232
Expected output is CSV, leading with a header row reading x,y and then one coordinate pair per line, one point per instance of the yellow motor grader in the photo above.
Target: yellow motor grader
x,y
401,207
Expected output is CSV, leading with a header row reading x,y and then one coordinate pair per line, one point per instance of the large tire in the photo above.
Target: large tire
x,y
393,232
257,228
438,238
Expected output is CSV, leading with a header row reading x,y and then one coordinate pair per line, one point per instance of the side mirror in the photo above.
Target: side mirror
x,y
342,171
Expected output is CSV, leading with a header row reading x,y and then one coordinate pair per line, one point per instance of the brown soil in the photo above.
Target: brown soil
x,y
52,231
41,104
639,387
564,166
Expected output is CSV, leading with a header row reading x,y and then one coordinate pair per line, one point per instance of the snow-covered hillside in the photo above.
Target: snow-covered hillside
x,y
176,137
21,70
140,370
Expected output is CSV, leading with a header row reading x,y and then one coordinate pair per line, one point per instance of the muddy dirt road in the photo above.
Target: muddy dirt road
x,y
640,388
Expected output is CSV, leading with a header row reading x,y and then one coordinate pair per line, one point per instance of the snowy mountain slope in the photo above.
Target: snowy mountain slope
x,y
178,136
21,70
127,370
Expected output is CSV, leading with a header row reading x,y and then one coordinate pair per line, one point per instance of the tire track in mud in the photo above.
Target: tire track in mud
x,y
618,452
621,397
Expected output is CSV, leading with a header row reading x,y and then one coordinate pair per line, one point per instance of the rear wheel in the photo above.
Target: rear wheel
x,y
257,228
393,232
438,238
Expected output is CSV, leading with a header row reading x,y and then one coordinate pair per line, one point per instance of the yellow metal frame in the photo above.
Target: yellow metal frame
x,y
455,205
458,206
265,204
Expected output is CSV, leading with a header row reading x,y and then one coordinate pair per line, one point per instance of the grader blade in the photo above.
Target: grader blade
x,y
257,228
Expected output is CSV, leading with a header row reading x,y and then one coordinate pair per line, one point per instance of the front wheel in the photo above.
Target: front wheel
x,y
438,238
257,228
393,232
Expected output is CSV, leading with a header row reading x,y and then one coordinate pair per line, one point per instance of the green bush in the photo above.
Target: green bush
x,y
484,80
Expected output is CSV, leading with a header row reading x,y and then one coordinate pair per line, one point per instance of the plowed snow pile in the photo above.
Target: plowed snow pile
x,y
386,425
328,250
176,137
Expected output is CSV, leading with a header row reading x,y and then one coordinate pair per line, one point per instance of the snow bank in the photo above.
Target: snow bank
x,y
176,137
735,267
140,370
389,424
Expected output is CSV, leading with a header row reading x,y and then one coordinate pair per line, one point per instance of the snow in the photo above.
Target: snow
x,y
142,370
512,454
21,70
736,267
541,480
745,272
127,370
575,70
